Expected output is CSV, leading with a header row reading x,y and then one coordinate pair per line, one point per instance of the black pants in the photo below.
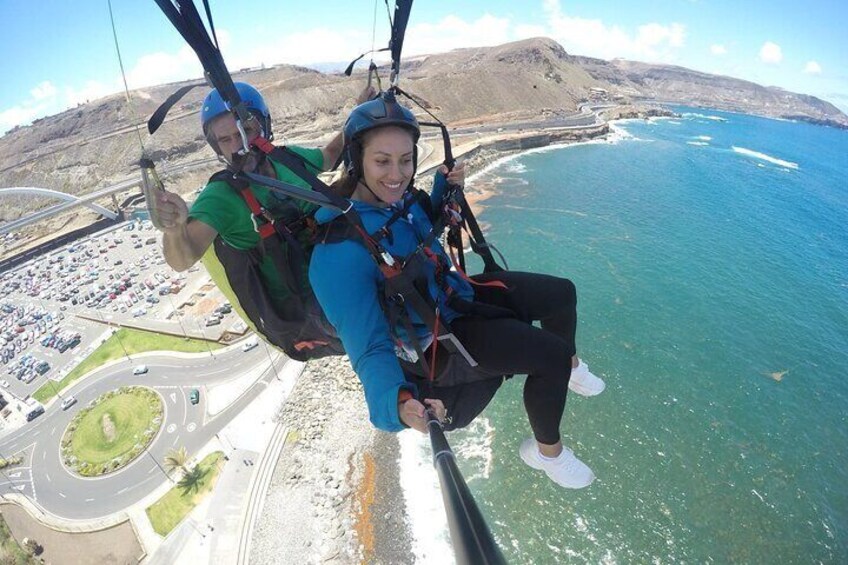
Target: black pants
x,y
509,346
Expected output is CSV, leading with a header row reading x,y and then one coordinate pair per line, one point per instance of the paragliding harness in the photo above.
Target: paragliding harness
x,y
299,328
404,293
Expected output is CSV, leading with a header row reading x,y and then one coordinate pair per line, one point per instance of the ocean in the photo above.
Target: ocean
x,y
710,254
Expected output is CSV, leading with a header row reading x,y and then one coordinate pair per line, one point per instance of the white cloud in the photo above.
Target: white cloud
x,y
160,67
771,53
718,49
653,34
91,90
581,36
17,115
453,32
318,45
812,68
314,45
43,90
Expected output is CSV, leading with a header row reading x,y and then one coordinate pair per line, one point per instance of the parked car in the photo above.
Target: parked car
x,y
68,402
140,370
250,344
34,413
194,396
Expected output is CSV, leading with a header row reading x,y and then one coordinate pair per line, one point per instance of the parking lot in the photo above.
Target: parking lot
x,y
57,308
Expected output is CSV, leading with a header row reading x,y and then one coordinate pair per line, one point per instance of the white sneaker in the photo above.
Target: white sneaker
x,y
585,383
566,470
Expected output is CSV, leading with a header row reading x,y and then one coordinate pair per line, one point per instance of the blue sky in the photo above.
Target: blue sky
x,y
61,52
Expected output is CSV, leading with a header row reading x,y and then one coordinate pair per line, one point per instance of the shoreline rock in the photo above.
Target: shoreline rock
x,y
335,495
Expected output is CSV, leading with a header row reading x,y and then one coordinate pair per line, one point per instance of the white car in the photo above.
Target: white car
x,y
250,344
68,402
140,370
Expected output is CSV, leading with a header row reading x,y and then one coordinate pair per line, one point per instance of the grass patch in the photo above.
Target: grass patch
x,y
112,431
10,551
134,341
167,512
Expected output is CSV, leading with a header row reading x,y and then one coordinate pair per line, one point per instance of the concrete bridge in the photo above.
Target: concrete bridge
x,y
88,199
70,201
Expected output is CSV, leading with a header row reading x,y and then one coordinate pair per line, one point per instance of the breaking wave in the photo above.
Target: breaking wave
x,y
764,157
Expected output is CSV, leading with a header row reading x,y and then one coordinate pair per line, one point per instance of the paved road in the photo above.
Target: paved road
x,y
44,479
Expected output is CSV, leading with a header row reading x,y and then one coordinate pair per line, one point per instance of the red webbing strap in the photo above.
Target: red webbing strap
x,y
380,256
266,229
496,284
263,145
301,345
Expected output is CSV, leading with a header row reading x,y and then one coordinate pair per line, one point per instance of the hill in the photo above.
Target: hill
x,y
96,145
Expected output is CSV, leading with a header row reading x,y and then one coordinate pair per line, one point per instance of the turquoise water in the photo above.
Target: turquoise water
x,y
713,298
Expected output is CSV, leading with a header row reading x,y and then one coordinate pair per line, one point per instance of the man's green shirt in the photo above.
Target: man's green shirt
x,y
223,208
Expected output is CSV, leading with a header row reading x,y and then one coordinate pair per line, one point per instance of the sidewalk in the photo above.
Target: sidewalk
x,y
220,526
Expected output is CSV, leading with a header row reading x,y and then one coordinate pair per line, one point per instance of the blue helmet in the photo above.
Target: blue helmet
x,y
214,106
382,111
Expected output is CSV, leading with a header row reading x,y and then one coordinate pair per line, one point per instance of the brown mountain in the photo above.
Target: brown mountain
x,y
96,144
678,85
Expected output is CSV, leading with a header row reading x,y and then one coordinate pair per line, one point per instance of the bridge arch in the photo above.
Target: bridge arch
x,y
60,196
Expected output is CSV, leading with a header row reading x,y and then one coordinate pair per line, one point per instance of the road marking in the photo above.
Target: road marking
x,y
173,396
62,495
53,433
89,500
123,490
171,428
15,475
191,427
43,455
151,470
19,487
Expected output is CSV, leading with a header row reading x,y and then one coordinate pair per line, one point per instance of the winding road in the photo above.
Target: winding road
x,y
44,479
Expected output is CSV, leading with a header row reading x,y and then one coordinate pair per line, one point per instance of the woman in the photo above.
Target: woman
x,y
349,281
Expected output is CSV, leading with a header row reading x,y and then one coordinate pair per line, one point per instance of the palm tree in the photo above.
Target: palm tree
x,y
176,459
191,479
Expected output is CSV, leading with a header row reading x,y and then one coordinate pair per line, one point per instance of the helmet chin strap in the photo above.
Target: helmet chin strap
x,y
374,194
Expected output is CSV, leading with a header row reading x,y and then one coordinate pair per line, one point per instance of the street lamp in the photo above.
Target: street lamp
x,y
178,315
161,468
203,333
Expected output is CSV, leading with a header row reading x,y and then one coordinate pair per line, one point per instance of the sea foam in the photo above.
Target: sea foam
x,y
764,157
704,117
425,511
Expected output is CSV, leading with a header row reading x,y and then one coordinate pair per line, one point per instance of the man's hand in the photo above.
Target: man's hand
x,y
169,211
457,175
413,413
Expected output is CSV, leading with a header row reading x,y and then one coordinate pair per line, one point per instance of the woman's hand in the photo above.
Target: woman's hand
x,y
414,414
457,175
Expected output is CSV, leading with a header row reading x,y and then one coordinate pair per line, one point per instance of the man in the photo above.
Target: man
x,y
189,233
261,276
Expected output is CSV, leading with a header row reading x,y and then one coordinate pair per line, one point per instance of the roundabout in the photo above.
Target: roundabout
x,y
112,431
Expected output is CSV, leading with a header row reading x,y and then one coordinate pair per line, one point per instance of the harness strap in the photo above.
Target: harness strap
x,y
469,280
